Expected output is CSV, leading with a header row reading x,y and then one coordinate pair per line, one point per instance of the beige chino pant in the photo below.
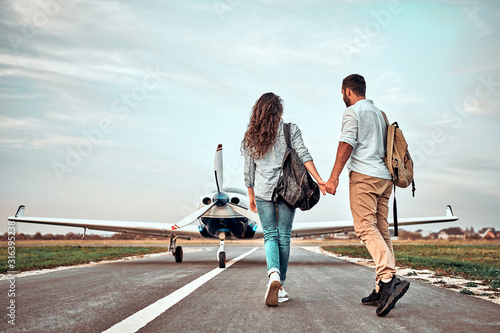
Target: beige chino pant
x,y
369,198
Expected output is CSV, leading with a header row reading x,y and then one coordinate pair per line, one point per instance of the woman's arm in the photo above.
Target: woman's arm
x,y
249,182
312,170
251,199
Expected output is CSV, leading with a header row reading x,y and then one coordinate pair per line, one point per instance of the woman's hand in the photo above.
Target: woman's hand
x,y
251,200
253,205
312,170
322,186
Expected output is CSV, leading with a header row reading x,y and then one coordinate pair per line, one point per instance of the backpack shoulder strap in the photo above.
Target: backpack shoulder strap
x,y
390,145
288,135
385,117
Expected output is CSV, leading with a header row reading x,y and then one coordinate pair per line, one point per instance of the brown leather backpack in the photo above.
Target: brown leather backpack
x,y
398,161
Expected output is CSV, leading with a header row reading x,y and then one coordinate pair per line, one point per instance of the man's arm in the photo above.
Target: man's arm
x,y
343,153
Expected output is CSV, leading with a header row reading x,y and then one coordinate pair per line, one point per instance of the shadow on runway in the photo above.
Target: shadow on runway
x,y
320,263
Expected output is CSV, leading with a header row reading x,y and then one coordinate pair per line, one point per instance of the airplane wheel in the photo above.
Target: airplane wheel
x,y
222,260
178,254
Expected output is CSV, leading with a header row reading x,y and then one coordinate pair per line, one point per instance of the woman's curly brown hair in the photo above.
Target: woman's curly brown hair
x,y
263,126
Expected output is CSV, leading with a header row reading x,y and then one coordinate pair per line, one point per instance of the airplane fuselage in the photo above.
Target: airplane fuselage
x,y
237,227
221,218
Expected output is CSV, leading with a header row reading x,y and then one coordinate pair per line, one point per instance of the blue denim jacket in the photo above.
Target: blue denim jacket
x,y
262,174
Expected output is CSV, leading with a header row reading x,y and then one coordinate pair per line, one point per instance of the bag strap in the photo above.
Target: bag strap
x,y
395,213
288,134
390,145
288,140
385,117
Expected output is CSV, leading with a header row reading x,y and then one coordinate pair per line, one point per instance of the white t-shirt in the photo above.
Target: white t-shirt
x,y
364,128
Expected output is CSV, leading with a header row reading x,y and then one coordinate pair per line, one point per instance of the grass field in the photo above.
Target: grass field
x,y
478,262
39,257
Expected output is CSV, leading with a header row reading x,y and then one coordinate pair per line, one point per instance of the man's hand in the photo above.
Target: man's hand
x,y
332,184
343,153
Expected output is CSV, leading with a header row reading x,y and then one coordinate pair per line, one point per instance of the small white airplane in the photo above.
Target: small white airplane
x,y
223,213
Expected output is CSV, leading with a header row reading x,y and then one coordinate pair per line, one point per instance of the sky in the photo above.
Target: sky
x,y
114,109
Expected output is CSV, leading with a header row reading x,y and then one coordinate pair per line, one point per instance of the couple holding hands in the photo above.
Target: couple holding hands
x,y
362,147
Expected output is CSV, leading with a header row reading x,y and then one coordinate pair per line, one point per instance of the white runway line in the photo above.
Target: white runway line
x,y
149,313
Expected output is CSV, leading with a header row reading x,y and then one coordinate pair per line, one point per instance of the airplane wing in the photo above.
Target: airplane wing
x,y
301,229
184,228
148,228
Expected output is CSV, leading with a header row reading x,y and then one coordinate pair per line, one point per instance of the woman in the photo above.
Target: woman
x,y
264,148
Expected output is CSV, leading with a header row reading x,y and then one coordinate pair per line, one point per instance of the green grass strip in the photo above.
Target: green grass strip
x,y
479,262
31,257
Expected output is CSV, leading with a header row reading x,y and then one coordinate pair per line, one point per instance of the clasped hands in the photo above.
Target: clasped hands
x,y
330,186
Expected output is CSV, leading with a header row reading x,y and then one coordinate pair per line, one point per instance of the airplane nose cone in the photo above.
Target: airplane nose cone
x,y
221,199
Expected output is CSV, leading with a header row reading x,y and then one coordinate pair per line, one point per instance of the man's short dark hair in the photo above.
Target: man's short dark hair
x,y
356,83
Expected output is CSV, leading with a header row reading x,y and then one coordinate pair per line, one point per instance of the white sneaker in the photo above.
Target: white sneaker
x,y
283,295
273,288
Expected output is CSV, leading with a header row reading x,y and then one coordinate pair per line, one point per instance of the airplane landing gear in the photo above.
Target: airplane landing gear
x,y
175,251
243,229
222,260
221,253
178,254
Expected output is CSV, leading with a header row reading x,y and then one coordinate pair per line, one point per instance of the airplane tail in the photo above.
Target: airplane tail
x,y
449,211
20,211
219,168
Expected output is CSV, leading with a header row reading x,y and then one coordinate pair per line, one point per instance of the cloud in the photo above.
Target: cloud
x,y
39,133
390,89
23,124
42,67
8,93
55,140
11,143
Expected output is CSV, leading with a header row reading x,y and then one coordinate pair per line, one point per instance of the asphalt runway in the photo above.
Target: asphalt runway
x,y
158,295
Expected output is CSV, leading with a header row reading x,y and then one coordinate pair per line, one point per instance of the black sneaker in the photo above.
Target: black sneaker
x,y
390,293
371,299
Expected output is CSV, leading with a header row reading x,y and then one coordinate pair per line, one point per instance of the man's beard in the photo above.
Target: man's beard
x,y
346,99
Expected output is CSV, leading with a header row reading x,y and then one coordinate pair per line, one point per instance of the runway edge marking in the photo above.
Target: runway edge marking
x,y
149,313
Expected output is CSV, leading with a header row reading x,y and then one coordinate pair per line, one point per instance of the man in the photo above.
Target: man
x,y
363,142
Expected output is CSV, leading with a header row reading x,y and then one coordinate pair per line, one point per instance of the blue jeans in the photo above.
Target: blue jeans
x,y
277,235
